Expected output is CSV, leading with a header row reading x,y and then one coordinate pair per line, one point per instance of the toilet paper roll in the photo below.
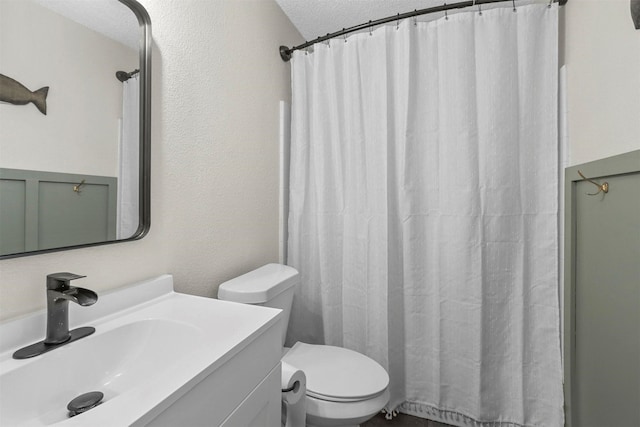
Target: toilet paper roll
x,y
295,381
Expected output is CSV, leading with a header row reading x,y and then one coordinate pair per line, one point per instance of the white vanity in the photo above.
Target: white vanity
x,y
160,358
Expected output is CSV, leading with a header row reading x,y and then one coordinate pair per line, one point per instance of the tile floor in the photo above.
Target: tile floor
x,y
402,420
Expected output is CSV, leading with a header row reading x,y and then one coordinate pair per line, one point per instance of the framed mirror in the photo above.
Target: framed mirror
x,y
75,93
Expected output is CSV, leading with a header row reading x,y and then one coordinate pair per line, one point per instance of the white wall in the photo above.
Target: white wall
x,y
602,54
217,83
80,132
217,80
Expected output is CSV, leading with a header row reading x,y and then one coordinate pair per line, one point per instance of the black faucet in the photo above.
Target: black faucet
x,y
59,293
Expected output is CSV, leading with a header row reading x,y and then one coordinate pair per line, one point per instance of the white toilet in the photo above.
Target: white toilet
x,y
344,388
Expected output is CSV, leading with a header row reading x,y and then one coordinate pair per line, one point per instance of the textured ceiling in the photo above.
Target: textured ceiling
x,y
315,18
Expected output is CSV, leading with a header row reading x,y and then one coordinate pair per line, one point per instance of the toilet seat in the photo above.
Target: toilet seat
x,y
338,374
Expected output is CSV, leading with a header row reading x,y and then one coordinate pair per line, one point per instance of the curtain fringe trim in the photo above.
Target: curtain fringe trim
x,y
448,416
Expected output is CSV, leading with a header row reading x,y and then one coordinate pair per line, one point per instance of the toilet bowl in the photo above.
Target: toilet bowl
x,y
344,387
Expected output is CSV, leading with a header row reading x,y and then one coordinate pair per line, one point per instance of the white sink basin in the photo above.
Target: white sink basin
x,y
112,362
143,356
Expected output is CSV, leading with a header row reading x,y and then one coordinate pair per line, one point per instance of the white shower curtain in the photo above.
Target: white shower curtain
x,y
423,211
129,153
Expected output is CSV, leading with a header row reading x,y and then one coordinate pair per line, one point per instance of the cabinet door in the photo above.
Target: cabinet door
x,y
607,303
262,408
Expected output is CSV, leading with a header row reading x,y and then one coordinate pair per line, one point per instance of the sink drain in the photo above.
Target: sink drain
x,y
84,402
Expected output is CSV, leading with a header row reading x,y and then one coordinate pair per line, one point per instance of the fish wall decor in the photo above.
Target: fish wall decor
x,y
635,13
14,92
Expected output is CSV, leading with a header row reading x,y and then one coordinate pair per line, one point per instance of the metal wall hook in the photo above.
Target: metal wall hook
x,y
604,187
78,187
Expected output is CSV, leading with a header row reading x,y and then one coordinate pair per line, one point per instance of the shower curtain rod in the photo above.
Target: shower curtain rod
x,y
285,52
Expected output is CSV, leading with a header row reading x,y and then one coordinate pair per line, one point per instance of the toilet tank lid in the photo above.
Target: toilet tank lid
x,y
260,285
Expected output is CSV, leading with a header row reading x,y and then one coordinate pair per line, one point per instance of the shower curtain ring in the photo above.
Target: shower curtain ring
x,y
514,5
446,15
345,36
479,10
398,22
415,17
550,1
370,33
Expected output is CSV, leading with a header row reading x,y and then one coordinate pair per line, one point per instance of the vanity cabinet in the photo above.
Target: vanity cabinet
x,y
160,358
262,407
243,391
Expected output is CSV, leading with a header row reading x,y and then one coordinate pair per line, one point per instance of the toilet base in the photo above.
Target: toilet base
x,y
322,413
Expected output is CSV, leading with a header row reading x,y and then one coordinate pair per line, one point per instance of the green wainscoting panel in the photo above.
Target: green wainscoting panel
x,y
602,294
12,216
41,210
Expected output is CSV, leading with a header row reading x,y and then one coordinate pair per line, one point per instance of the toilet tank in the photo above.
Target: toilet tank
x,y
271,285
